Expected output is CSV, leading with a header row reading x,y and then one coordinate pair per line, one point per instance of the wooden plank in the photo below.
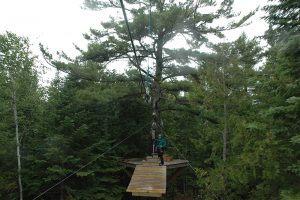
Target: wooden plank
x,y
148,180
175,163
146,194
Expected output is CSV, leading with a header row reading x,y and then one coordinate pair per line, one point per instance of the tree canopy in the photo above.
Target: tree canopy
x,y
232,111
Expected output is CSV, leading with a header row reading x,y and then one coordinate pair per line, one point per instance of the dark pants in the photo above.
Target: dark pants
x,y
160,153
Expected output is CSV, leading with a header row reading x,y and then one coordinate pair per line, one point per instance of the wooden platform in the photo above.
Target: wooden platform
x,y
148,179
173,164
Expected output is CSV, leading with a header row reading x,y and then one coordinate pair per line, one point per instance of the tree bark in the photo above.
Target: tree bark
x,y
157,92
18,144
225,131
156,112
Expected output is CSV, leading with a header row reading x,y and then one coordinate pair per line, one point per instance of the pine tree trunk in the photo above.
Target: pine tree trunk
x,y
156,115
225,131
18,144
156,91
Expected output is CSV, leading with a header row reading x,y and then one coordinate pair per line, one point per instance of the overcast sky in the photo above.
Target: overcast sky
x,y
60,23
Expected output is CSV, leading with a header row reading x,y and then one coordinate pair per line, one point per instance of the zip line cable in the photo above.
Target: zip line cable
x,y
133,47
73,173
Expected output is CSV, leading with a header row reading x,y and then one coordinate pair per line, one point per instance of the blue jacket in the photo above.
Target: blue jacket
x,y
161,143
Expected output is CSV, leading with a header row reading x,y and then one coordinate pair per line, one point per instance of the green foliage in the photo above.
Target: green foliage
x,y
169,19
289,195
284,15
88,109
84,118
18,80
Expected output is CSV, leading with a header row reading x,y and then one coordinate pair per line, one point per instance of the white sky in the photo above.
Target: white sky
x,y
59,24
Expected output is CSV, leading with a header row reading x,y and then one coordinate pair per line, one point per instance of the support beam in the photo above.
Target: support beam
x,y
129,173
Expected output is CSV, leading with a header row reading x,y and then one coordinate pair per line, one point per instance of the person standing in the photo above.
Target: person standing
x,y
161,145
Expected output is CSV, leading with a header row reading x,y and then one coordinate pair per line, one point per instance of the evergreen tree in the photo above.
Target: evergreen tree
x,y
20,93
225,85
280,81
86,114
283,16
154,25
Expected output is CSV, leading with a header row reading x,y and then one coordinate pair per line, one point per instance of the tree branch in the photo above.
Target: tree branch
x,y
135,65
193,112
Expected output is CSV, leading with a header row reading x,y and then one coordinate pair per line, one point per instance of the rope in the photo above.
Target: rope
x,y
67,177
132,44
148,69
180,154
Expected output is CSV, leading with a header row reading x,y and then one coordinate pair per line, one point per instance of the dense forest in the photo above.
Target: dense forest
x,y
232,111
